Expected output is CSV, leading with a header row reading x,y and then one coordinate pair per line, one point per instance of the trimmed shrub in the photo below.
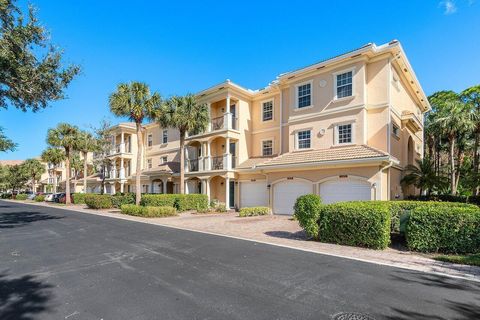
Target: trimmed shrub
x,y
120,199
21,196
307,212
78,198
182,202
364,224
220,207
148,212
6,196
254,211
98,201
39,198
444,229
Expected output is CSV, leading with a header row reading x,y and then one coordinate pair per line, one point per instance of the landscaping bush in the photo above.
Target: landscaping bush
x,y
445,229
21,196
98,201
39,198
307,211
120,199
364,224
148,212
6,196
182,202
254,211
220,207
78,198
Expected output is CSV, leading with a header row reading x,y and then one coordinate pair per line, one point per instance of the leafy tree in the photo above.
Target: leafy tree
x,y
54,156
5,143
34,169
86,143
134,100
471,96
187,116
66,137
16,177
422,175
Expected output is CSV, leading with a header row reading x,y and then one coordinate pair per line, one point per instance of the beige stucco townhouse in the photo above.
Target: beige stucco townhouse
x,y
343,128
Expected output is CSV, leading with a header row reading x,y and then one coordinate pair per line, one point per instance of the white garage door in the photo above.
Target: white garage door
x,y
253,194
345,189
285,193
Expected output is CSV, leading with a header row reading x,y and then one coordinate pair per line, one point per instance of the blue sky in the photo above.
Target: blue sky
x,y
181,46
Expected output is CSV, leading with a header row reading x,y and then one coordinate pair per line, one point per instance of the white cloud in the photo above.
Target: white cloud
x,y
449,6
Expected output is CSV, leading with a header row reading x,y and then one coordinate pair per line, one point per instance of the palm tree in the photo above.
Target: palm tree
x,y
86,143
54,156
76,167
454,120
422,175
34,169
66,136
134,100
185,115
472,97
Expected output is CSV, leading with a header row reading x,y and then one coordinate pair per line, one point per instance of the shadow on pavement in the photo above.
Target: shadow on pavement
x,y
19,219
23,298
299,235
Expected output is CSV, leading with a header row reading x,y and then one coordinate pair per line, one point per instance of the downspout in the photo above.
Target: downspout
x,y
388,166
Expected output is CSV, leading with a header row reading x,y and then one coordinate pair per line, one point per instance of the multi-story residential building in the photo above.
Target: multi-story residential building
x,y
343,128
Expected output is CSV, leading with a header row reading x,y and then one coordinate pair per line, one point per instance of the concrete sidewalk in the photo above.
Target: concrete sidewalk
x,y
283,231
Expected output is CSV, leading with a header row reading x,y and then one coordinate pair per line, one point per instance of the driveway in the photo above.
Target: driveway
x,y
59,264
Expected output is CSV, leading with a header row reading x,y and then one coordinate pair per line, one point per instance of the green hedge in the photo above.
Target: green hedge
x,y
182,202
78,198
120,199
39,198
444,229
148,212
21,196
307,212
364,224
98,201
254,211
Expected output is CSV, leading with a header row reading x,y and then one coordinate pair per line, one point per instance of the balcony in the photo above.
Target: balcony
x,y
120,148
192,165
202,164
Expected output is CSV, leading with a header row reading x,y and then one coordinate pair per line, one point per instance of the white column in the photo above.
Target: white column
x,y
186,187
226,156
164,186
112,188
122,142
208,157
209,108
227,192
122,187
122,169
227,118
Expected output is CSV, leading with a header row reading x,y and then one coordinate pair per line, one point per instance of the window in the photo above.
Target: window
x,y
267,110
395,130
149,163
267,148
165,136
344,84
163,160
304,94
149,140
344,133
303,139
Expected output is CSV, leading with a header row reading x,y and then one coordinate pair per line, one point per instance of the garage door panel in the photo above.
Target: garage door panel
x,y
253,194
345,190
285,193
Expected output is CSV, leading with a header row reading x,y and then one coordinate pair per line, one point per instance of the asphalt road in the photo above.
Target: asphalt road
x,y
57,264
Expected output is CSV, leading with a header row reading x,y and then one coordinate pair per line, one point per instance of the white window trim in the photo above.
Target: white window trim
x,y
394,125
273,146
311,95
161,160
163,131
149,164
149,138
335,74
273,109
296,139
335,133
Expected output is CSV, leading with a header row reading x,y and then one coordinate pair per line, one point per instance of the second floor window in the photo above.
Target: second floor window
x,y
395,130
344,133
304,94
267,110
267,148
149,163
164,136
344,84
150,140
163,160
304,139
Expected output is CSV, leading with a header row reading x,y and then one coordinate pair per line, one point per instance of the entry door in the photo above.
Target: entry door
x,y
231,196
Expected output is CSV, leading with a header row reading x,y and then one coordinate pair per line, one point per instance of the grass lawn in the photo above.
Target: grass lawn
x,y
470,259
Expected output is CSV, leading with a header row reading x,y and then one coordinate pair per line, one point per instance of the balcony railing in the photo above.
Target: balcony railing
x,y
218,123
120,148
217,163
192,165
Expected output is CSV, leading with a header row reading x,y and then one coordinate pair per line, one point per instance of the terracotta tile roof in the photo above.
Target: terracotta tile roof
x,y
323,155
252,162
11,162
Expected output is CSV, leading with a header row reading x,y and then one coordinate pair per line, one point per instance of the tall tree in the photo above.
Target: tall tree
x,y
75,167
187,116
31,69
5,143
34,169
16,177
471,96
103,142
54,156
65,136
86,143
422,175
134,100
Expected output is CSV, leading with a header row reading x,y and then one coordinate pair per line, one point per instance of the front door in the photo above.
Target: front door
x,y
231,196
